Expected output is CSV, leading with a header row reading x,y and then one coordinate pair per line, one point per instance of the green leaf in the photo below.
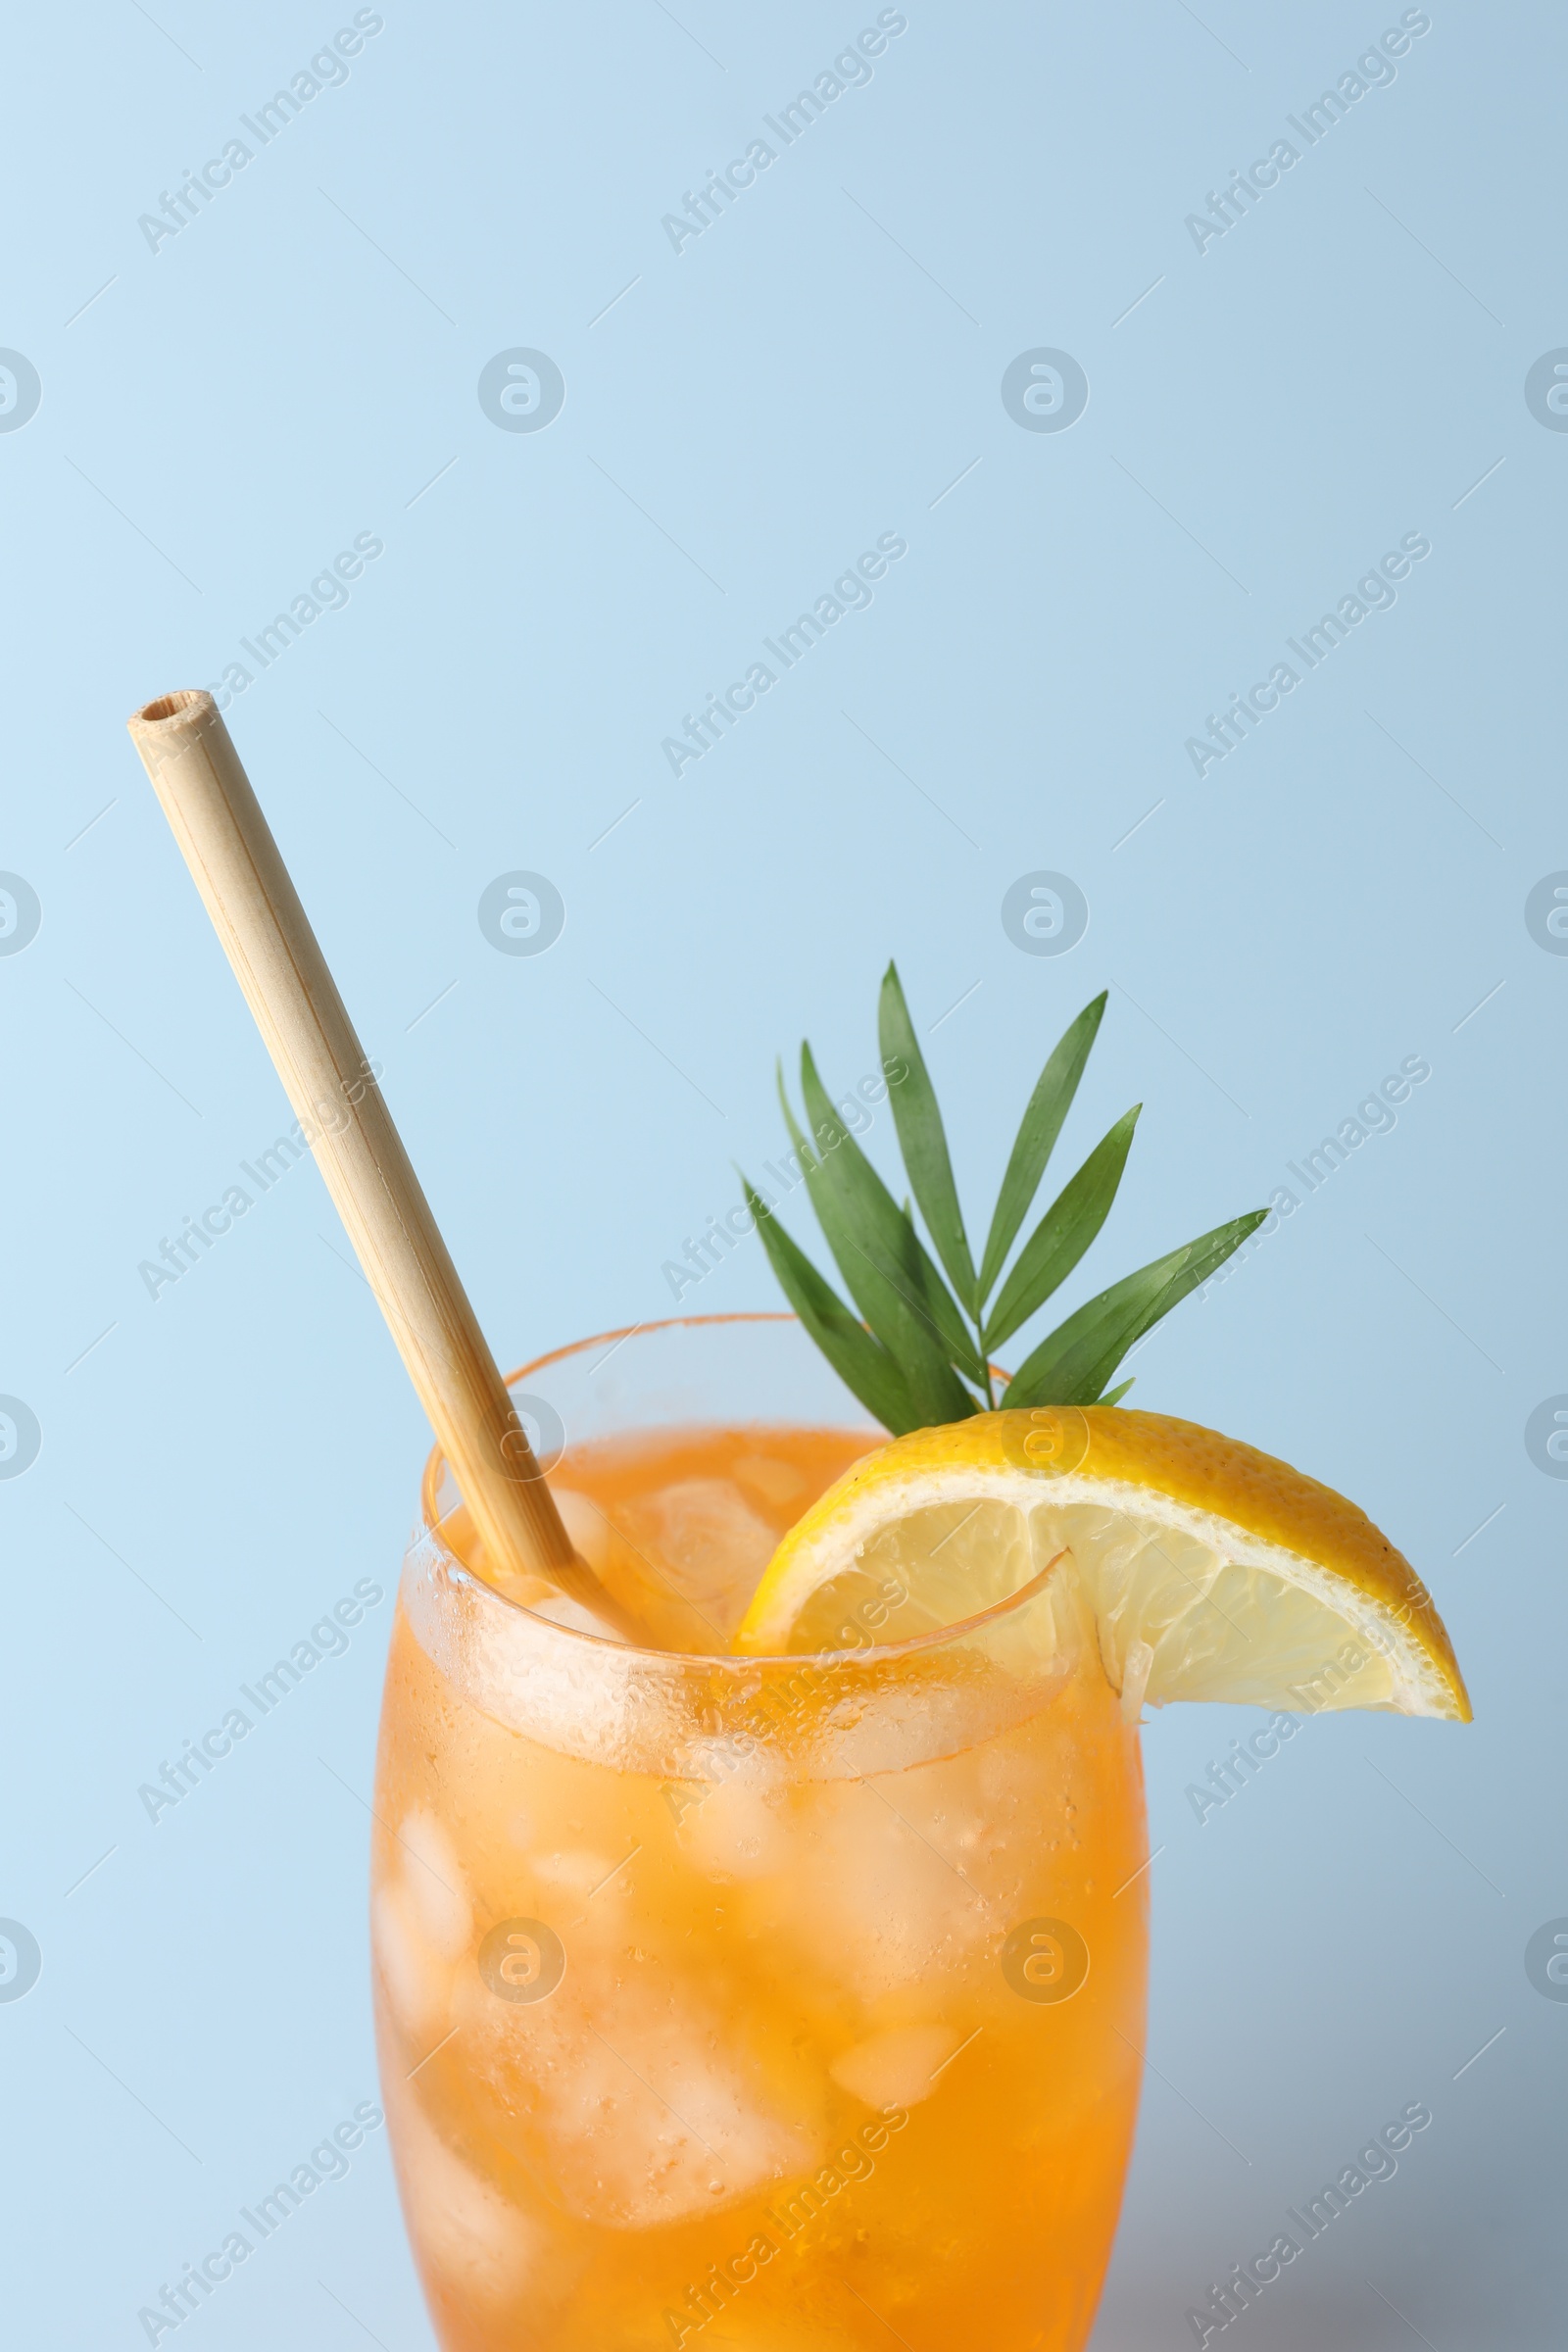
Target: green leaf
x,y
923,1139
888,1270
860,1362
1117,1393
885,1232
944,1308
1073,1364
1040,1125
1063,1233
888,1275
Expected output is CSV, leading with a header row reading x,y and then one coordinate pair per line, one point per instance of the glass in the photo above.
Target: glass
x,y
778,2003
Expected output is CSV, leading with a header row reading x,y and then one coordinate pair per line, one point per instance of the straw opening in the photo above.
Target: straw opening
x,y
172,706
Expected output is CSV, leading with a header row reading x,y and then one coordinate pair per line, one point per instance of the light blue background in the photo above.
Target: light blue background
x,y
295,367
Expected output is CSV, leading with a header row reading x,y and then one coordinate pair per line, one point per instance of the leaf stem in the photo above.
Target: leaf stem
x,y
980,1351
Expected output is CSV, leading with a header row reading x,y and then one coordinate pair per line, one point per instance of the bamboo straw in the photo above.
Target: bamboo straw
x,y
256,912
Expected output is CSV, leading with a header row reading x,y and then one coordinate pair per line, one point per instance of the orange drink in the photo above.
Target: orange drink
x,y
758,1873
763,2002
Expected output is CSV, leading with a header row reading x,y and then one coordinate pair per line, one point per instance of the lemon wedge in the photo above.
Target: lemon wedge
x,y
1212,1571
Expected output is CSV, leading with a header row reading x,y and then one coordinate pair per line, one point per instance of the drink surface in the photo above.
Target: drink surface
x,y
785,2057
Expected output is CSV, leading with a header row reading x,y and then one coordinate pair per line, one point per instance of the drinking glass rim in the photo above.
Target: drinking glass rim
x,y
457,1570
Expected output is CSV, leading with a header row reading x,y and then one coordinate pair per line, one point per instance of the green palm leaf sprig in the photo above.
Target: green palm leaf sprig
x,y
916,1347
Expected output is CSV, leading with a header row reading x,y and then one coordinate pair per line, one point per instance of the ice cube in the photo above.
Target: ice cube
x,y
562,1608
895,2068
780,1486
879,1906
484,2248
710,1543
577,1870
586,1524
417,1978
637,2103
434,1877
734,1831
658,2123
